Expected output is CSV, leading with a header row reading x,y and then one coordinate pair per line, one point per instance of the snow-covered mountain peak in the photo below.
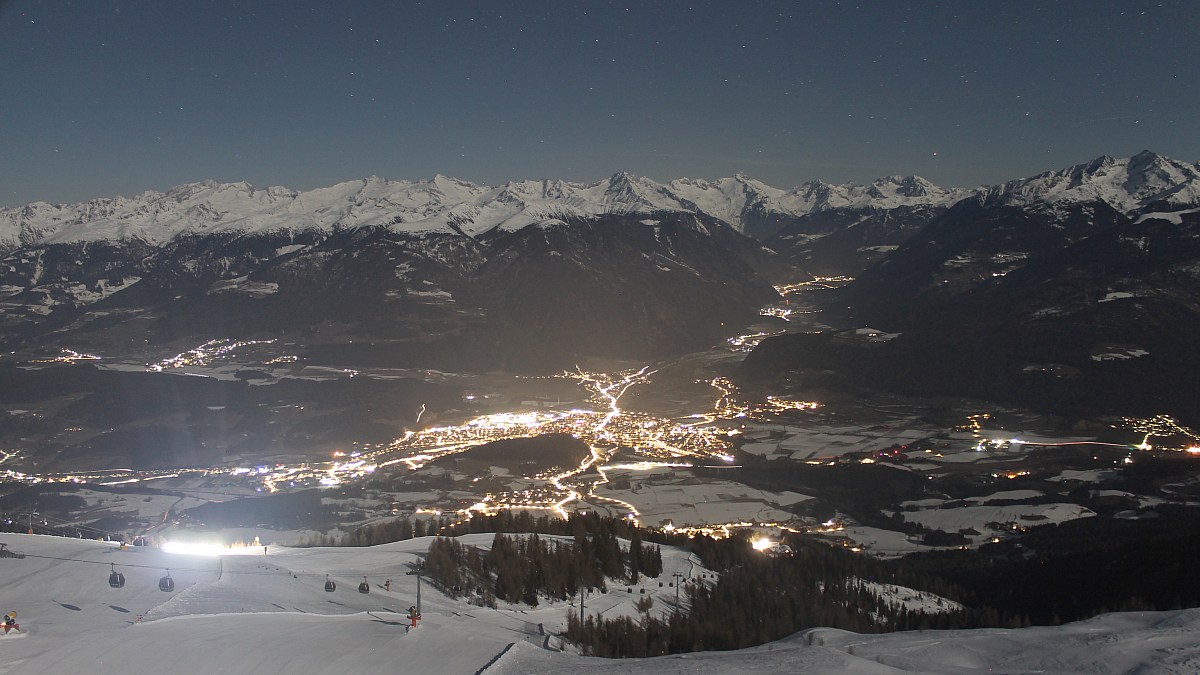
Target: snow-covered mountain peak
x,y
756,186
1149,174
450,184
627,183
1127,185
884,193
183,191
628,193
281,192
910,186
748,181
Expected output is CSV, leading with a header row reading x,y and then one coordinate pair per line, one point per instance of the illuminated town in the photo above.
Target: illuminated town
x,y
207,353
68,356
1165,427
621,443
657,443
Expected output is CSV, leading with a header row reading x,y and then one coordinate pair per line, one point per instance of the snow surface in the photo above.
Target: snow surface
x,y
270,614
907,598
1118,353
1127,185
1141,642
1086,475
1175,217
1012,495
880,542
686,501
821,441
729,198
977,517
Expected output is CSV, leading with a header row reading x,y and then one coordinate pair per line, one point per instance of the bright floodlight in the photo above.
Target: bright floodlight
x,y
209,549
762,544
193,548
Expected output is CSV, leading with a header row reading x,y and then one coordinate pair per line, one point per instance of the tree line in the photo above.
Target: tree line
x,y
759,598
403,528
1048,576
520,569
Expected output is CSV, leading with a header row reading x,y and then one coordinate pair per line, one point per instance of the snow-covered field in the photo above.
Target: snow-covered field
x,y
687,501
814,442
978,517
270,614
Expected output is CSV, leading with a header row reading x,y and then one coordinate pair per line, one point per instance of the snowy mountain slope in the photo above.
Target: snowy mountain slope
x,y
847,240
611,285
440,204
846,236
1128,185
415,261
1143,642
978,242
1048,288
209,207
760,210
443,204
270,614
884,193
249,614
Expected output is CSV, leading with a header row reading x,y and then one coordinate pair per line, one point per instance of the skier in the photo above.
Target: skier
x,y
387,585
10,622
413,618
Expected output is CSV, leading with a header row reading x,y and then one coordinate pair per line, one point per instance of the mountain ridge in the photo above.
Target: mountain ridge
x,y
447,204
1128,184
1073,291
438,204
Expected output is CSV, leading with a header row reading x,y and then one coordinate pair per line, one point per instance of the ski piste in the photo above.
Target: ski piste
x,y
239,614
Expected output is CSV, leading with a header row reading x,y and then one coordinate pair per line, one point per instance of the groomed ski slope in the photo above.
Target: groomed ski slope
x,y
270,614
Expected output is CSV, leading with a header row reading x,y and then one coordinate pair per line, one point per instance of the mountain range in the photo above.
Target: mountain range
x,y
440,272
446,273
440,205
1074,290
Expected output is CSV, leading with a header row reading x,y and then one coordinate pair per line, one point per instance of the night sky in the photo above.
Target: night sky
x,y
108,97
